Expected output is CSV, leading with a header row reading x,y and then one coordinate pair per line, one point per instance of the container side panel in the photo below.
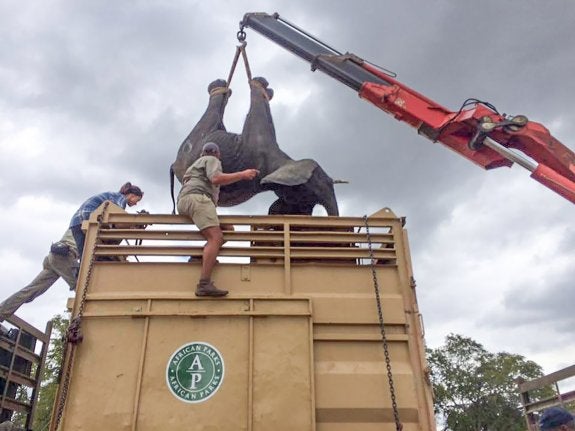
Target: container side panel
x,y
282,374
352,388
158,278
227,408
357,309
102,389
333,280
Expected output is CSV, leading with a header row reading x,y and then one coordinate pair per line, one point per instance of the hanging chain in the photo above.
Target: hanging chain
x,y
91,265
398,425
65,385
74,334
241,34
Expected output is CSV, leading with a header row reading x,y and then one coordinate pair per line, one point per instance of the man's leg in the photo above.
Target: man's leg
x,y
43,281
215,239
66,267
203,213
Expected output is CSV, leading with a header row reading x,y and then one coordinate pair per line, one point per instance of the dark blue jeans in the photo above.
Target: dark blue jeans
x,y
79,237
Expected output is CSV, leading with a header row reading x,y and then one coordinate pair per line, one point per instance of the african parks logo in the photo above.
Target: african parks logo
x,y
195,372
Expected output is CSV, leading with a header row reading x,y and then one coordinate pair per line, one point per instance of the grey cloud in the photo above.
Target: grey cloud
x,y
546,303
114,88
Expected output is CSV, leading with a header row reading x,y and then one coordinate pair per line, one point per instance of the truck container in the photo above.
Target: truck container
x,y
320,331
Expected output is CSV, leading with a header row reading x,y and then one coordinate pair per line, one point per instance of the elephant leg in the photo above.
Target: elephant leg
x,y
211,121
259,131
213,117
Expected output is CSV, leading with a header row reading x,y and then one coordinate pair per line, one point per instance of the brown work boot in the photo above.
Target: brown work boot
x,y
207,288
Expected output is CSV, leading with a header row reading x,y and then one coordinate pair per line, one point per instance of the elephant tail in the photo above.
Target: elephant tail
x,y
172,189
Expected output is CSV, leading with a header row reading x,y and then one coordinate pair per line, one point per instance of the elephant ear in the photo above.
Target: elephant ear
x,y
292,173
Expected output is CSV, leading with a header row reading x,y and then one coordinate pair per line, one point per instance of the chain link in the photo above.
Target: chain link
x,y
65,386
398,425
74,333
91,265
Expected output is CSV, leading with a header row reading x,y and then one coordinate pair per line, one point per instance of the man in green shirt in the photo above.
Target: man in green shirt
x,y
198,199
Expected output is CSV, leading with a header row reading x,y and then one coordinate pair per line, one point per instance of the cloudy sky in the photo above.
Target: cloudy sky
x,y
95,93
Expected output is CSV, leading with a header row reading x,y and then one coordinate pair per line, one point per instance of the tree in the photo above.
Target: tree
x,y
476,390
23,396
50,373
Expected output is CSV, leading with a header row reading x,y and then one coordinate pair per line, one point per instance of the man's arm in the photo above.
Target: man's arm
x,y
222,179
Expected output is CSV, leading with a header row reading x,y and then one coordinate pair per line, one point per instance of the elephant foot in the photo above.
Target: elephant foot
x,y
262,83
260,80
219,86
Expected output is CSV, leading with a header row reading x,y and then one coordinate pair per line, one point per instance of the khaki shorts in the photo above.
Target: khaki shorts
x,y
200,208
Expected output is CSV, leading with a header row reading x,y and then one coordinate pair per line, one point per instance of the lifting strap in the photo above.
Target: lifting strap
x,y
398,425
239,49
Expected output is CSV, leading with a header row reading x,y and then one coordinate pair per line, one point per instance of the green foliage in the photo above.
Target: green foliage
x,y
22,395
476,390
49,385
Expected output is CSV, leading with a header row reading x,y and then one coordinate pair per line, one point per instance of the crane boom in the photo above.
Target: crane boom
x,y
477,131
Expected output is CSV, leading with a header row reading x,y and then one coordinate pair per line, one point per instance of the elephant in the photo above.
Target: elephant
x,y
298,184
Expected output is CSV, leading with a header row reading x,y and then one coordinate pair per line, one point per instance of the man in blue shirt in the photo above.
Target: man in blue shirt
x,y
129,194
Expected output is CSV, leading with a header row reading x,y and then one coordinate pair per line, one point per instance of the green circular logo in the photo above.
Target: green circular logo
x,y
195,372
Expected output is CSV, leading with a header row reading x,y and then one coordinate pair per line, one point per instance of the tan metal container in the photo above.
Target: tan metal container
x,y
296,346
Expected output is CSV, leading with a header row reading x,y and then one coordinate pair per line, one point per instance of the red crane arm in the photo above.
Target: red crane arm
x,y
555,166
477,131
